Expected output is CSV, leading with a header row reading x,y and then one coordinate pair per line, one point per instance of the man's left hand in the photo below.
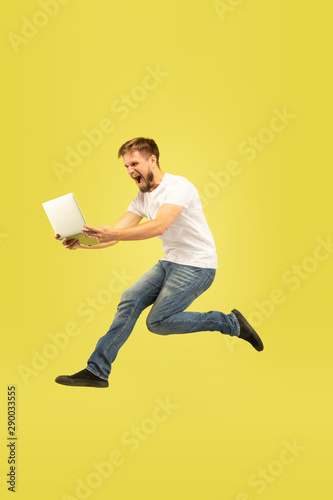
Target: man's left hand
x,y
102,234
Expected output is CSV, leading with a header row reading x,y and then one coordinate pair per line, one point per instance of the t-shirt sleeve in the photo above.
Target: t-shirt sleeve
x,y
180,193
134,206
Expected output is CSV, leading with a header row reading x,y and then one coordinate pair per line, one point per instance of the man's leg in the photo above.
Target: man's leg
x,y
133,301
182,285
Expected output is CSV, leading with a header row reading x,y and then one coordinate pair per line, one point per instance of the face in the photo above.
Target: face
x,y
141,170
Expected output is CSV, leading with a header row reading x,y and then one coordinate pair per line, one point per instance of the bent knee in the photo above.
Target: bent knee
x,y
156,326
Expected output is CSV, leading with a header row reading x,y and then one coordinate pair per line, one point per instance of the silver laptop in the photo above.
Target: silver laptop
x,y
67,219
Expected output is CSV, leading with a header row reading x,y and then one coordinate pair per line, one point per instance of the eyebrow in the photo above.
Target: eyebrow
x,y
131,163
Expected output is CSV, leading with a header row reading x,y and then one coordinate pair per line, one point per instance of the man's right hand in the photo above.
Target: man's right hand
x,y
71,244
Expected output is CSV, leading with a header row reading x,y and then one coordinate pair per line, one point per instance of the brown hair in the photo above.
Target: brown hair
x,y
145,146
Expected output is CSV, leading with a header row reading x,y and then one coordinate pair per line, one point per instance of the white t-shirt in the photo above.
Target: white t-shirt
x,y
188,240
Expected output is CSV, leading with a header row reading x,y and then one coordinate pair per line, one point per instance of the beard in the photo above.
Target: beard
x,y
148,183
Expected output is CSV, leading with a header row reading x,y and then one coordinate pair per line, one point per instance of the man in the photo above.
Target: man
x,y
174,214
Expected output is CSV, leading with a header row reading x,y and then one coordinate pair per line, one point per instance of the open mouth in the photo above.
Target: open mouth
x,y
138,179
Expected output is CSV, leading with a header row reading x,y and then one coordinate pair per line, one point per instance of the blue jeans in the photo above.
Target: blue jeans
x,y
171,288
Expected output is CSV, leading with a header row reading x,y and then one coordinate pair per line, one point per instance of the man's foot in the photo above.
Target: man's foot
x,y
83,378
247,332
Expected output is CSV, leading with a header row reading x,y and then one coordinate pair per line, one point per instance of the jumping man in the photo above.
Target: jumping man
x,y
173,210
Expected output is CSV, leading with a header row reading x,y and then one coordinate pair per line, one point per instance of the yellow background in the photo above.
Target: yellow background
x,y
225,71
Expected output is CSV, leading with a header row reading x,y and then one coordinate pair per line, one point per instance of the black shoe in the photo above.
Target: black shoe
x,y
83,378
247,332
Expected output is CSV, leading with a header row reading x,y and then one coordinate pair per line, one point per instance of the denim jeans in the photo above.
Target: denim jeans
x,y
171,288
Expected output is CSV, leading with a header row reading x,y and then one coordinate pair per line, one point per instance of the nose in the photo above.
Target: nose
x,y
130,170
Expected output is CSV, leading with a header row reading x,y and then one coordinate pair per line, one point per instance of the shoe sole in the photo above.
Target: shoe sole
x,y
259,344
63,380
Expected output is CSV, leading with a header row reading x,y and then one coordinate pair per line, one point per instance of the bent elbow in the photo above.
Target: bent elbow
x,y
161,229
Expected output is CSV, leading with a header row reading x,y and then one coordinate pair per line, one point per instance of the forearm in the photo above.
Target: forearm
x,y
128,227
148,229
129,219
